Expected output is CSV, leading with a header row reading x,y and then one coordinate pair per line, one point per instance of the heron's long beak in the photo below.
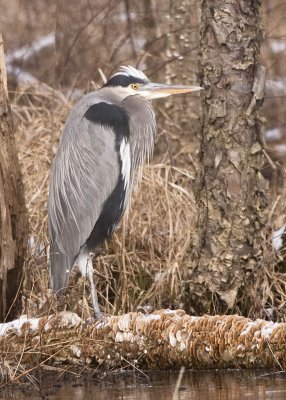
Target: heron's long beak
x,y
157,90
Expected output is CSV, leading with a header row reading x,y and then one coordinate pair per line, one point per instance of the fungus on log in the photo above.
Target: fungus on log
x,y
163,339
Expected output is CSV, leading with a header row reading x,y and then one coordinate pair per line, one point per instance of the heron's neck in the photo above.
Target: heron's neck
x,y
114,95
142,125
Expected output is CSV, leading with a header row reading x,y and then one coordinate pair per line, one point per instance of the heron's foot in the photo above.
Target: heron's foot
x,y
145,309
99,320
102,320
61,303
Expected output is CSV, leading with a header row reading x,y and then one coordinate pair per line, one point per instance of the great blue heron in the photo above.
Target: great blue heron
x,y
106,138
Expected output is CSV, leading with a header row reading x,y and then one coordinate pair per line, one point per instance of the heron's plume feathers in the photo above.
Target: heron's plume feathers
x,y
131,71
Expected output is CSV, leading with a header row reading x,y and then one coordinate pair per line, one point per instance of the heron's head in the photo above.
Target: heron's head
x,y
130,81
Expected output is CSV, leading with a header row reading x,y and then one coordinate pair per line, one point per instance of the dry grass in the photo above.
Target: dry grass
x,y
145,262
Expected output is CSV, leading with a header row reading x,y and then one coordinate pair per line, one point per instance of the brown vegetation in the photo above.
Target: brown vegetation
x,y
147,263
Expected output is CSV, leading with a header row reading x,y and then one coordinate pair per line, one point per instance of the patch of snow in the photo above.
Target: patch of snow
x,y
275,88
22,76
267,330
280,148
25,52
277,238
248,327
277,46
76,350
273,134
158,276
36,247
17,325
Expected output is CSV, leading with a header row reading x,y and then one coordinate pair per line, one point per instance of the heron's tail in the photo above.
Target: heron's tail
x,y
60,267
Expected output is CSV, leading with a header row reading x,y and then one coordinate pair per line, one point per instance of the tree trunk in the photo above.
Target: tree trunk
x,y
230,190
181,116
13,215
182,49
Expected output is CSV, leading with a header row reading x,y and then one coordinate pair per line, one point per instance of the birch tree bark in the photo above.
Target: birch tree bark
x,y
182,51
231,193
182,67
13,215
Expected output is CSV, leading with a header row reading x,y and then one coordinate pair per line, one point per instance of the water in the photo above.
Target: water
x,y
195,385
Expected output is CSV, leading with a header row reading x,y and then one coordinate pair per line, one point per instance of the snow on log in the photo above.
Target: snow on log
x,y
163,339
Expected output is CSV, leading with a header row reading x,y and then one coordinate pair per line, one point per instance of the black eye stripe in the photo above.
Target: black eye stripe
x,y
123,80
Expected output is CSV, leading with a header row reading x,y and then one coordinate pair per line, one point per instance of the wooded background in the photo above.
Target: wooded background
x,y
198,235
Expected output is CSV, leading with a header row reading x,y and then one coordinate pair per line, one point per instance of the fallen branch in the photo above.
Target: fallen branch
x,y
163,339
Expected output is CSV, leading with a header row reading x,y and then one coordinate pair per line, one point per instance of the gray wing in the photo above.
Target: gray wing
x,y
84,173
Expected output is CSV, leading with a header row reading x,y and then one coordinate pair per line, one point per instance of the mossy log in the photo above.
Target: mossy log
x,y
163,339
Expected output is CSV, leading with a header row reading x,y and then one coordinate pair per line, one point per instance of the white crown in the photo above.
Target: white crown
x,y
131,71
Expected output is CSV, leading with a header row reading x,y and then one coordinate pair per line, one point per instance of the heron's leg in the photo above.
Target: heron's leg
x,y
84,262
93,291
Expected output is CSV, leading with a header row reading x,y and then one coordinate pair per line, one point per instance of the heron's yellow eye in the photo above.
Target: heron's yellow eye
x,y
134,86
